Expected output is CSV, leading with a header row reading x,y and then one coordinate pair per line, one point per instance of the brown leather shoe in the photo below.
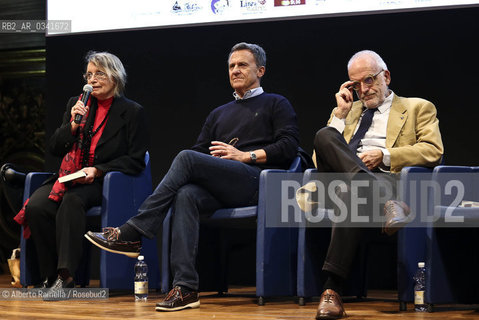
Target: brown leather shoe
x,y
109,240
396,214
330,306
178,299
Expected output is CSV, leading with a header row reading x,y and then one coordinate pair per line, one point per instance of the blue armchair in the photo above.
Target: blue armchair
x,y
275,246
411,247
451,260
313,244
411,241
122,196
451,265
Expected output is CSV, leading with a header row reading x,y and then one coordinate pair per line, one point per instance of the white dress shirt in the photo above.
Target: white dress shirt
x,y
249,94
375,137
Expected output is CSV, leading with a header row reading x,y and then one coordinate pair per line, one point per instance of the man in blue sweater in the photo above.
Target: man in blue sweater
x,y
255,131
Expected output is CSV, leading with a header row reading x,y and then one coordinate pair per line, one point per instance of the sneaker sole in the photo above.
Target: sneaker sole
x,y
192,305
128,254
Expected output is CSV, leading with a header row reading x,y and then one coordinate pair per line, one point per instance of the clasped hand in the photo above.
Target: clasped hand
x,y
226,151
371,158
79,108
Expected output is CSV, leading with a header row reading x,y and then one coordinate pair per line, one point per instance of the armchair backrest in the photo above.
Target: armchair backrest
x,y
451,177
295,165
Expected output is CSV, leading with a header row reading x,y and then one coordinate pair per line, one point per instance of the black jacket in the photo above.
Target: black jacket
x,y
123,143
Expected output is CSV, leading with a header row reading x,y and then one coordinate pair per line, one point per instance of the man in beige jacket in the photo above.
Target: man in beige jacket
x,y
376,136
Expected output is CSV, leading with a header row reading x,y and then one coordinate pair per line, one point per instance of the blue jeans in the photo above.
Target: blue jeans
x,y
196,184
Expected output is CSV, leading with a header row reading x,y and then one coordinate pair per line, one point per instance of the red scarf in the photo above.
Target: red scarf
x,y
71,163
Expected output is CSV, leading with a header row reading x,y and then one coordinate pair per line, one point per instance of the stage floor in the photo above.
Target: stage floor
x,y
239,303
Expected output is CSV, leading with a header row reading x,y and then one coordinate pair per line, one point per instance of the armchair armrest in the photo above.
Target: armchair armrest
x,y
122,196
33,181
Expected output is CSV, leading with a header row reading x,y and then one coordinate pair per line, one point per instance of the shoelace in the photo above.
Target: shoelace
x,y
174,293
388,207
112,234
328,298
57,285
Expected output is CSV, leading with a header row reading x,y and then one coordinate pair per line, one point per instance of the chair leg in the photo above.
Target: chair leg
x,y
224,252
82,274
260,301
301,301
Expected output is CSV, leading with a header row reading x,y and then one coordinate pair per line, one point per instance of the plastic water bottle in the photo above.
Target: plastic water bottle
x,y
141,280
419,288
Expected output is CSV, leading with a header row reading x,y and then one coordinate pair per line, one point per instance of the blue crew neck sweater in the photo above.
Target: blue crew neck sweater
x,y
266,121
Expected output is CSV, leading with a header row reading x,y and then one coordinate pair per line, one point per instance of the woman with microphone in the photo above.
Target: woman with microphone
x,y
100,133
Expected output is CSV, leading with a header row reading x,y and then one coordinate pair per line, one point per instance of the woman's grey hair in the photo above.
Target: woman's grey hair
x,y
377,58
257,51
112,67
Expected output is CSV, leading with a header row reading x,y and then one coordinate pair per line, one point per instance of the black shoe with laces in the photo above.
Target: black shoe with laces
x,y
47,283
56,292
178,299
109,240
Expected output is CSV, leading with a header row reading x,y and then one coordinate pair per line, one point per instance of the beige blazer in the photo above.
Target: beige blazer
x,y
412,137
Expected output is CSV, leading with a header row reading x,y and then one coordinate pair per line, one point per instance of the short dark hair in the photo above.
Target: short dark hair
x,y
257,51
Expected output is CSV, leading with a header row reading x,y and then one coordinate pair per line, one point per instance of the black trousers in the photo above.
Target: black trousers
x,y
58,227
333,155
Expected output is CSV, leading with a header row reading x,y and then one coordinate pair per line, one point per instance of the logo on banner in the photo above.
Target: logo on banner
x,y
219,6
253,6
185,7
281,3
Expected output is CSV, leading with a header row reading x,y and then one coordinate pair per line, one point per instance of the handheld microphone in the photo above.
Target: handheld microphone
x,y
87,89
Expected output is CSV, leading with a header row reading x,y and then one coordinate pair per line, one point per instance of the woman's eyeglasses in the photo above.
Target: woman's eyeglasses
x,y
99,75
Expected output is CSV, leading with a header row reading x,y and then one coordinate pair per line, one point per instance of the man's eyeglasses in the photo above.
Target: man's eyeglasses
x,y
368,81
99,75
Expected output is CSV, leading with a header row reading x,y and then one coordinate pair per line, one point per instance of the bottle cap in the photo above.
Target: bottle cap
x,y
420,264
141,258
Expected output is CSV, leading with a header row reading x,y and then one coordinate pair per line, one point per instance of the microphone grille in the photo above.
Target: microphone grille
x,y
88,88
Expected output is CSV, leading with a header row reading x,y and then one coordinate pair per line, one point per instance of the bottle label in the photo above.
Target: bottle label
x,y
418,297
141,287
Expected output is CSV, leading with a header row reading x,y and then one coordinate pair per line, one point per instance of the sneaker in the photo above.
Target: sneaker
x,y
178,299
108,240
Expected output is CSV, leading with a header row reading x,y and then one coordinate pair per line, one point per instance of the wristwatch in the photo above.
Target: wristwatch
x,y
252,156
